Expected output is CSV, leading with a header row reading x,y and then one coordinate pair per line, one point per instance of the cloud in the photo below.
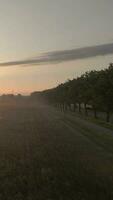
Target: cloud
x,y
65,55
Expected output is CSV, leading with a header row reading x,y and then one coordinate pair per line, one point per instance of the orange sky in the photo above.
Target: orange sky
x,y
31,27
27,79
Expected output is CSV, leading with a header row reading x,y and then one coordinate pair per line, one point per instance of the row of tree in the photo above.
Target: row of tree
x,y
93,89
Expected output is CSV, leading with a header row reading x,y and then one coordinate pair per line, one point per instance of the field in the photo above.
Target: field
x,y
49,155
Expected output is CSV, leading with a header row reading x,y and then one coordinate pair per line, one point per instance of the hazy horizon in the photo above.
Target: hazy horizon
x,y
31,28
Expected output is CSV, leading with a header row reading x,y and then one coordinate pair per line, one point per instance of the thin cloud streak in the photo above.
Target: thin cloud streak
x,y
62,56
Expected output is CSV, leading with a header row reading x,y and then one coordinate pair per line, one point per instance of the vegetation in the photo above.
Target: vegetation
x,y
93,89
47,155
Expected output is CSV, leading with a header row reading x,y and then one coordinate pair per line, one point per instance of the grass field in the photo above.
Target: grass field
x,y
48,155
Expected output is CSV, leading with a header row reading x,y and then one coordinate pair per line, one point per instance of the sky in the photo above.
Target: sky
x,y
47,30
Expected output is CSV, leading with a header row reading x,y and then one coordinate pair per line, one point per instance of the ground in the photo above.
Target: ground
x,y
49,155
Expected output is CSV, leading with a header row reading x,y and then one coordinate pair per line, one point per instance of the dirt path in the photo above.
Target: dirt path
x,y
47,155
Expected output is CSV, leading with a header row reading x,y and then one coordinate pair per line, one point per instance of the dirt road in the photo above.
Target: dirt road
x,y
48,155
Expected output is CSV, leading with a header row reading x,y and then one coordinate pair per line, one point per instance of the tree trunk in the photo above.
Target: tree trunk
x,y
95,114
108,116
69,106
86,111
66,106
61,108
79,107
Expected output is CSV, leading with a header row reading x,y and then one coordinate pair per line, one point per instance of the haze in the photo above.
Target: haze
x,y
30,28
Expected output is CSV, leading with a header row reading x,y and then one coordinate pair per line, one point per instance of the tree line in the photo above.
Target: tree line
x,y
93,90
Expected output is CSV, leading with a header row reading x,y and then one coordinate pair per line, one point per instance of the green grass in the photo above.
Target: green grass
x,y
103,140
102,123
46,156
97,121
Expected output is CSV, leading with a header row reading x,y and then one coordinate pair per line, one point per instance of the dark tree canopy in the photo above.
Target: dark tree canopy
x,y
94,88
